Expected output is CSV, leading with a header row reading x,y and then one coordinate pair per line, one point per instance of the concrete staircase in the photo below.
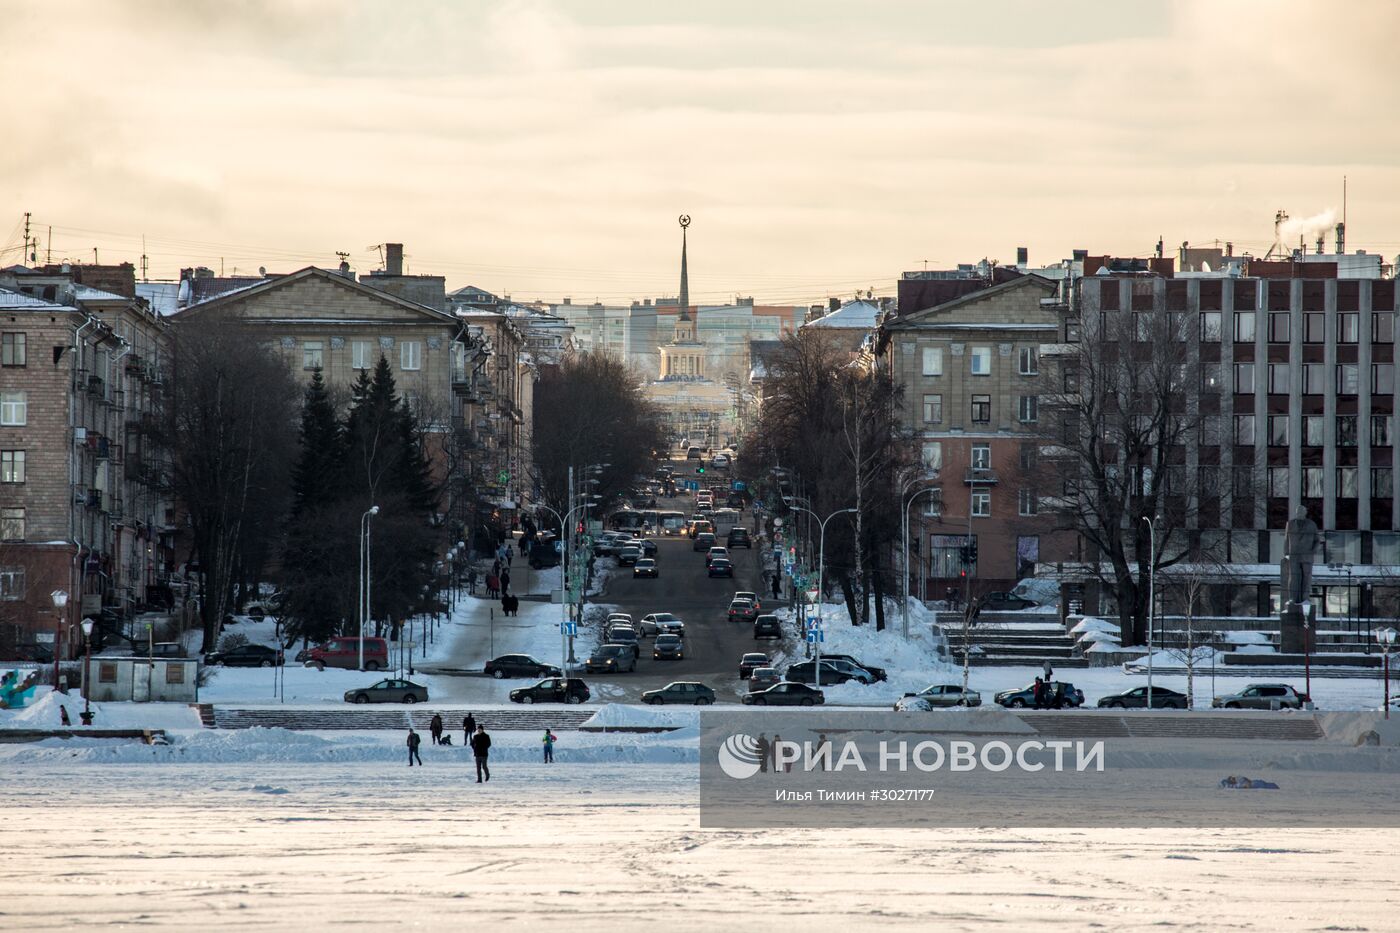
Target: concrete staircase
x,y
525,719
1008,639
1231,726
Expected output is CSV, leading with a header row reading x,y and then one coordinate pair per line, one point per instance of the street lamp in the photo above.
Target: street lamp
x,y
821,572
60,600
1386,637
1151,597
364,577
563,521
904,541
87,672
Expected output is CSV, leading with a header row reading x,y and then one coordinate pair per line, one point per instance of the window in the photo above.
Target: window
x,y
359,354
1071,379
1244,326
1347,485
11,524
1072,330
981,361
981,409
981,456
1142,327
411,355
1347,379
106,672
1278,327
1208,482
1278,378
1381,427
945,553
1348,327
1030,454
12,351
11,583
1278,430
174,673
1027,502
1210,327
313,354
1346,431
1210,377
933,409
1244,430
1242,482
981,505
1313,430
933,502
932,456
1210,430
1312,482
933,361
1244,378
1382,482
1027,408
14,409
1314,327
1383,327
1314,383
11,466
1382,378
1278,482
1029,362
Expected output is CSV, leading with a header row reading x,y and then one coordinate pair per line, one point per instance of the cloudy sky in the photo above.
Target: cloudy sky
x,y
545,147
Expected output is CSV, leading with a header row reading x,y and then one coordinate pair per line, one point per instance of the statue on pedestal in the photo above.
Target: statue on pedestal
x,y
1299,547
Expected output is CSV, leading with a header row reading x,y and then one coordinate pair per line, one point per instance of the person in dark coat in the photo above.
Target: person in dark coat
x,y
435,727
777,585
468,727
505,581
493,585
764,750
1038,694
481,750
413,742
63,716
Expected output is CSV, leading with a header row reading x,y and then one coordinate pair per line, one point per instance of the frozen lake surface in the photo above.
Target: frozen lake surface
x,y
603,846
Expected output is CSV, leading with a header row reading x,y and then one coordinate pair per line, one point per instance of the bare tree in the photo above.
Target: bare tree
x,y
1186,586
1118,411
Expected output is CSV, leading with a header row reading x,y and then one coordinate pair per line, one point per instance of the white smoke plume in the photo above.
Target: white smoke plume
x,y
1307,227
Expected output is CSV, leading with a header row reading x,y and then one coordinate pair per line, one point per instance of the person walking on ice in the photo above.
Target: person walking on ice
x,y
549,739
481,750
468,727
435,727
413,740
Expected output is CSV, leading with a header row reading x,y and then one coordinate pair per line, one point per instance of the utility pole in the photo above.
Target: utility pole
x,y
48,247
27,256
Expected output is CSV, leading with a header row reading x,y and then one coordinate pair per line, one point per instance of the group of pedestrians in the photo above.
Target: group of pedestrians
x,y
475,737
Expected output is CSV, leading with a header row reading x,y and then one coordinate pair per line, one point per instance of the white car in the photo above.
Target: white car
x,y
660,623
938,696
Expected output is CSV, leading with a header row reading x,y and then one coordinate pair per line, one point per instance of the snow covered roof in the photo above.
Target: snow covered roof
x,y
164,297
18,301
88,293
856,315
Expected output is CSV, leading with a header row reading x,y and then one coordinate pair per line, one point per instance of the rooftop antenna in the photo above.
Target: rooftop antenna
x,y
380,248
145,261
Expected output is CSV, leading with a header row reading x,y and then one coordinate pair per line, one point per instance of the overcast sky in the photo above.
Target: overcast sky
x,y
544,148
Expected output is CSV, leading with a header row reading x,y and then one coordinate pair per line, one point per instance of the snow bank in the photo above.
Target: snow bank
x,y
620,715
1245,638
1092,624
44,713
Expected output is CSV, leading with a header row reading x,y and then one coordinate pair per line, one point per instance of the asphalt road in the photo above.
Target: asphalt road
x,y
713,644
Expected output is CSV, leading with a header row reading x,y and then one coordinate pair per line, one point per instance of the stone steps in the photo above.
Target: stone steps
x,y
1276,727
525,719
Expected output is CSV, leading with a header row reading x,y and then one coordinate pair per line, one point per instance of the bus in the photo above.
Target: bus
x,y
627,520
724,519
670,523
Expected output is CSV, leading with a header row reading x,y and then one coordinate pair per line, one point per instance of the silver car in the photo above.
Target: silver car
x,y
611,659
392,690
1263,696
939,696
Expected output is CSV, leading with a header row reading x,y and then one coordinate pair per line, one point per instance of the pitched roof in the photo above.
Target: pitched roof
x,y
1022,281
19,301
855,315
263,285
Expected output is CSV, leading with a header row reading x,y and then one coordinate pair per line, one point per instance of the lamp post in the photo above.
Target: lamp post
x,y
1386,637
364,577
87,672
563,521
1151,597
904,548
821,573
60,600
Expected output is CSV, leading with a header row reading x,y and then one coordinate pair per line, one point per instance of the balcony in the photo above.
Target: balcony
x,y
978,476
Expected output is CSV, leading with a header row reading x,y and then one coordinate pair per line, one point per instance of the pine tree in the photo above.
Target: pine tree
x,y
317,479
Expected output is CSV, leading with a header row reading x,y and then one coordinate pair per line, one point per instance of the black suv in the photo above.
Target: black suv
x,y
767,627
519,665
739,537
246,656
553,690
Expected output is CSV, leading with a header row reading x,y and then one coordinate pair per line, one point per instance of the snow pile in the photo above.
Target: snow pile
x,y
44,713
619,715
1096,637
1245,638
1091,624
1255,649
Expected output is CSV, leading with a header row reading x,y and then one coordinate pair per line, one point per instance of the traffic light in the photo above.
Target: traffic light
x,y
965,554
972,553
700,468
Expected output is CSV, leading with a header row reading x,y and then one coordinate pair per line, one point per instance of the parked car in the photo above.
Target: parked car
x,y
739,537
832,673
767,627
877,672
750,662
939,696
1136,698
751,597
703,542
1262,696
646,567
392,690
648,547
1059,695
716,553
658,623
1044,592
623,617
345,653
668,648
519,665
764,677
605,544
246,656
553,690
682,691
628,555
1005,602
720,567
784,694
612,659
741,610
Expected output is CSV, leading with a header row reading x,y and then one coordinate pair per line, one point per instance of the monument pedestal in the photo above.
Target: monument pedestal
x,y
1296,636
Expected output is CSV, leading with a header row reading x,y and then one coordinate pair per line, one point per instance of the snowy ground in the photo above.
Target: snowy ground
x,y
314,843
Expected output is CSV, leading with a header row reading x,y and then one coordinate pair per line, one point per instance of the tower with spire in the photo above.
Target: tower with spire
x,y
684,356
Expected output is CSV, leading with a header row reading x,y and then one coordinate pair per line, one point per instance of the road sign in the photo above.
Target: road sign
x,y
814,622
777,522
503,477
777,537
816,636
570,628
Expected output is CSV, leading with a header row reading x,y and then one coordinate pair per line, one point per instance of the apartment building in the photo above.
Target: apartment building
x,y
82,370
968,365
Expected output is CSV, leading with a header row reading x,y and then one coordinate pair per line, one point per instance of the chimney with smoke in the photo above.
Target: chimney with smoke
x,y
393,259
1341,238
